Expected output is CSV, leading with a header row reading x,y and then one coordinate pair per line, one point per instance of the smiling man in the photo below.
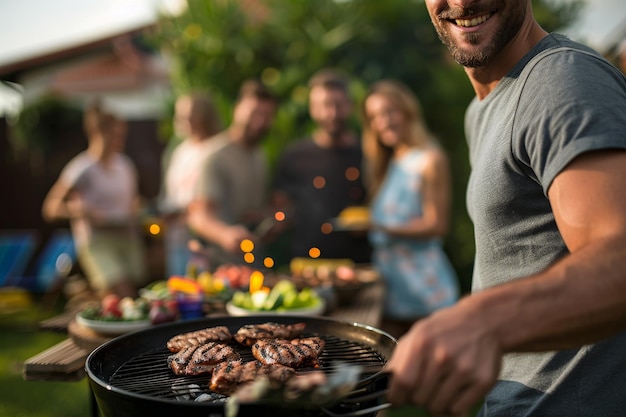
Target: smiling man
x,y
543,333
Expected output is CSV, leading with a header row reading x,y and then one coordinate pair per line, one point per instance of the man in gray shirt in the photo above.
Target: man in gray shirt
x,y
232,189
543,334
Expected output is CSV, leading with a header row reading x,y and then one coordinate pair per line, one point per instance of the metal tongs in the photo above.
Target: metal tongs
x,y
344,388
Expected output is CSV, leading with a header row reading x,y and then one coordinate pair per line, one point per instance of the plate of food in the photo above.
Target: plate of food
x,y
282,298
115,315
113,328
353,218
315,310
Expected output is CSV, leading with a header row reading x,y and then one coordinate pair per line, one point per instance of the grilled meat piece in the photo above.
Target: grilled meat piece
x,y
247,335
201,359
199,337
228,376
296,353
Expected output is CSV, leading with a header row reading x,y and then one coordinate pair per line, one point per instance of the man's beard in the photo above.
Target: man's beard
x,y
474,58
481,56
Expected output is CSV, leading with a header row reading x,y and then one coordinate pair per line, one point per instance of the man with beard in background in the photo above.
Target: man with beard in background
x,y
232,191
319,176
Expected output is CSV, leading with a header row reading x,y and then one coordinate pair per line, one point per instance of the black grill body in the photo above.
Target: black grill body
x,y
129,375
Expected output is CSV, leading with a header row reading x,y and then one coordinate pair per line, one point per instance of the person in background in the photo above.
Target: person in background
x,y
97,191
319,176
196,122
231,196
544,331
410,206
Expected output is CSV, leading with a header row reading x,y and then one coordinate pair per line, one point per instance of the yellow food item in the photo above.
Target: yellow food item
x,y
298,266
354,216
184,285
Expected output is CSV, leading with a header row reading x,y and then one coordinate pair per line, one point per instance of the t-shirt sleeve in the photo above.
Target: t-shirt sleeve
x,y
73,174
209,185
574,103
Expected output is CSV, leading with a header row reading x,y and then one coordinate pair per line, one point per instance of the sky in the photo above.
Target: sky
x,y
599,22
29,28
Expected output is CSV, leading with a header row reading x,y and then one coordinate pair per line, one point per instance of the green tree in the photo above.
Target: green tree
x,y
216,44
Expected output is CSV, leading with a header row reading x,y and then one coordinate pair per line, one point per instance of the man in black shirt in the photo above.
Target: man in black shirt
x,y
318,176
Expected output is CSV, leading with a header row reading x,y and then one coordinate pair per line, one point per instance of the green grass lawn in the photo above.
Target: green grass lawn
x,y
21,398
20,339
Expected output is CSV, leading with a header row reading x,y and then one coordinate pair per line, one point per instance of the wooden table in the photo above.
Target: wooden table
x,y
65,361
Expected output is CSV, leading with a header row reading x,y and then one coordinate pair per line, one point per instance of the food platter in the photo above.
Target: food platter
x,y
314,310
352,219
341,225
113,328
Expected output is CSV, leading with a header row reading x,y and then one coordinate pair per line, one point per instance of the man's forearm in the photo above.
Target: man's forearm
x,y
579,300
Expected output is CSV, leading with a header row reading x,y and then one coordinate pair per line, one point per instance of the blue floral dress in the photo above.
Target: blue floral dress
x,y
417,272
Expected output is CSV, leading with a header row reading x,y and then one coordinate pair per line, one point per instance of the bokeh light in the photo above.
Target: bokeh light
x,y
246,245
327,228
270,76
319,182
352,174
154,229
248,257
279,216
314,253
193,31
268,262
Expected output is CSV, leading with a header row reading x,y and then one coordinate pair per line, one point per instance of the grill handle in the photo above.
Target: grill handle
x,y
360,395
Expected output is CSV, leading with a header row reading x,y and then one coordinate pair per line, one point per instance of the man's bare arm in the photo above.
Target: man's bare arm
x,y
449,361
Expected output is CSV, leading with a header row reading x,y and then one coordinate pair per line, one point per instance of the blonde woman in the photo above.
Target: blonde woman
x,y
410,204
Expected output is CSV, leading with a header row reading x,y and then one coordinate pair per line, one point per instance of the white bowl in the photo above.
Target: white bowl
x,y
316,310
113,328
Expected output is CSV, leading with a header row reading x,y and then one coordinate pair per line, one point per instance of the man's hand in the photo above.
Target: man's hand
x,y
445,363
232,237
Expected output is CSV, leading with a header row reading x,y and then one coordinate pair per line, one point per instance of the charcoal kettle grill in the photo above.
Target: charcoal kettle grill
x,y
129,376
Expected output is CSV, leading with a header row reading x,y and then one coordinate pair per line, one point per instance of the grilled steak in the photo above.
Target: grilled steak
x,y
228,376
296,353
201,359
247,335
199,337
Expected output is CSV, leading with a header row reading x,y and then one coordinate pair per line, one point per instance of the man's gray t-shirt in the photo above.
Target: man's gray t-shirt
x,y
561,100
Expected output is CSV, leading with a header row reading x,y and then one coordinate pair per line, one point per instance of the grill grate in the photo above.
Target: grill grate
x,y
148,373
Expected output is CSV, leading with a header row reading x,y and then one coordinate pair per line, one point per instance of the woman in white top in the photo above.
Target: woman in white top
x,y
98,192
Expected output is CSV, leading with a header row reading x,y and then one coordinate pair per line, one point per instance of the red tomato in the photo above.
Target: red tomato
x,y
110,301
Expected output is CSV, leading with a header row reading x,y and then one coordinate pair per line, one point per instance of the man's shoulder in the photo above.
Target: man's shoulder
x,y
557,55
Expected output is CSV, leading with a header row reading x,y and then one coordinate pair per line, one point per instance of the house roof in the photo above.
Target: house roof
x,y
12,69
122,67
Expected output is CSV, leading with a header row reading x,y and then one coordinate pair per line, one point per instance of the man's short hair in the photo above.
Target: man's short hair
x,y
330,78
255,88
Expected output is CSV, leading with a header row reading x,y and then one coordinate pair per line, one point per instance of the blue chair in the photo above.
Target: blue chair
x,y
16,250
54,262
